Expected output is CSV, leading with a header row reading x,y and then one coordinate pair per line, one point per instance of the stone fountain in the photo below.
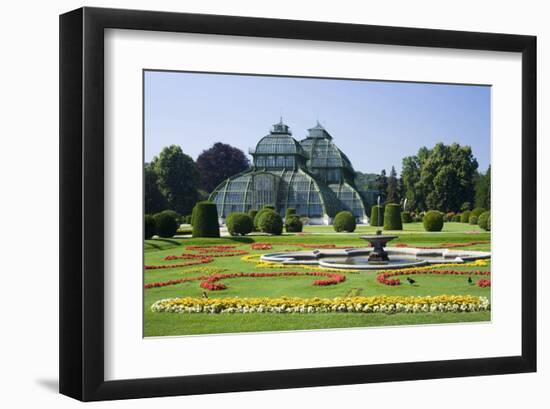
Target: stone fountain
x,y
378,255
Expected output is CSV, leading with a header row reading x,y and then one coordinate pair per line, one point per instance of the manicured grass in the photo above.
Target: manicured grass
x,y
362,283
164,324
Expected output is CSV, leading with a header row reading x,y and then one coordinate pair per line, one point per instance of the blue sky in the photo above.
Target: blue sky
x,y
375,123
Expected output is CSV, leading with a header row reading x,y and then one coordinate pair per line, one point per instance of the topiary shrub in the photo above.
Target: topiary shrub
x,y
456,218
483,220
259,214
270,207
374,216
344,221
252,214
392,217
465,216
489,223
289,212
293,224
473,219
166,224
205,220
269,221
149,226
433,221
406,217
477,211
239,224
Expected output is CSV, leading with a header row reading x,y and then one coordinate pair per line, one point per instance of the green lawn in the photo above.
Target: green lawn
x,y
363,283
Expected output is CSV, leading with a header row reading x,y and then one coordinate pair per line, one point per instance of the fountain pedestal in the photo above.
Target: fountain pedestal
x,y
378,241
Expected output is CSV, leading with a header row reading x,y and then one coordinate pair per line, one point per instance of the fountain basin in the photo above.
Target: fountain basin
x,y
359,258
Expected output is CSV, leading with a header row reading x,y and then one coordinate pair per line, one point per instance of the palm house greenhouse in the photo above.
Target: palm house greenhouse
x,y
312,176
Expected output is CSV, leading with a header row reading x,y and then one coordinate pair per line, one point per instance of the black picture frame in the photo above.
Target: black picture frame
x,y
82,198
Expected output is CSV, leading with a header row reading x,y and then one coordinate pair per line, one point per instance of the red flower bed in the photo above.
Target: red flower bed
x,y
210,282
204,255
385,276
484,283
202,260
261,246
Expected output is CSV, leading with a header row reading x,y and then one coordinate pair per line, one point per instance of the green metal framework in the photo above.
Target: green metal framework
x,y
314,178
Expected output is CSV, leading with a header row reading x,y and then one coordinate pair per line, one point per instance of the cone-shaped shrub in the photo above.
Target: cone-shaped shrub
x,y
406,217
205,220
456,218
269,221
293,224
465,216
473,219
374,216
433,221
344,221
239,224
166,223
149,226
483,220
392,217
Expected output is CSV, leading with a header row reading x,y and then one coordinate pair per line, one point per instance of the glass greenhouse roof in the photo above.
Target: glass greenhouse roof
x,y
311,176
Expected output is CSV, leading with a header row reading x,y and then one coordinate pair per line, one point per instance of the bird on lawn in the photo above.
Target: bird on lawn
x,y
204,295
470,280
410,280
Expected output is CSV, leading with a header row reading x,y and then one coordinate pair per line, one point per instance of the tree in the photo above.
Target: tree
x,y
154,200
218,163
178,178
410,176
441,178
382,182
392,191
483,190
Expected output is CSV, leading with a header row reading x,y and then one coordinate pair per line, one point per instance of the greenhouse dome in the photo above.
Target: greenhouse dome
x,y
313,177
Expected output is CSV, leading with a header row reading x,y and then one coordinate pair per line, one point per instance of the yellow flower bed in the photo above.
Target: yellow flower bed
x,y
374,304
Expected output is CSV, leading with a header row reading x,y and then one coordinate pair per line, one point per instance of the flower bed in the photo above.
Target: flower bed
x,y
210,282
202,260
385,277
484,283
284,305
205,254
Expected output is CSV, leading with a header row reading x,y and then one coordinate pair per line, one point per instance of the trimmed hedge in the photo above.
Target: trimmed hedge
x,y
465,216
406,217
252,214
433,221
293,224
477,211
473,219
483,220
166,224
149,226
259,214
269,221
374,216
344,221
239,224
205,220
456,218
392,217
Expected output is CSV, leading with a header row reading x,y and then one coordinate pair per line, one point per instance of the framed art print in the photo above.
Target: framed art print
x,y
254,204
